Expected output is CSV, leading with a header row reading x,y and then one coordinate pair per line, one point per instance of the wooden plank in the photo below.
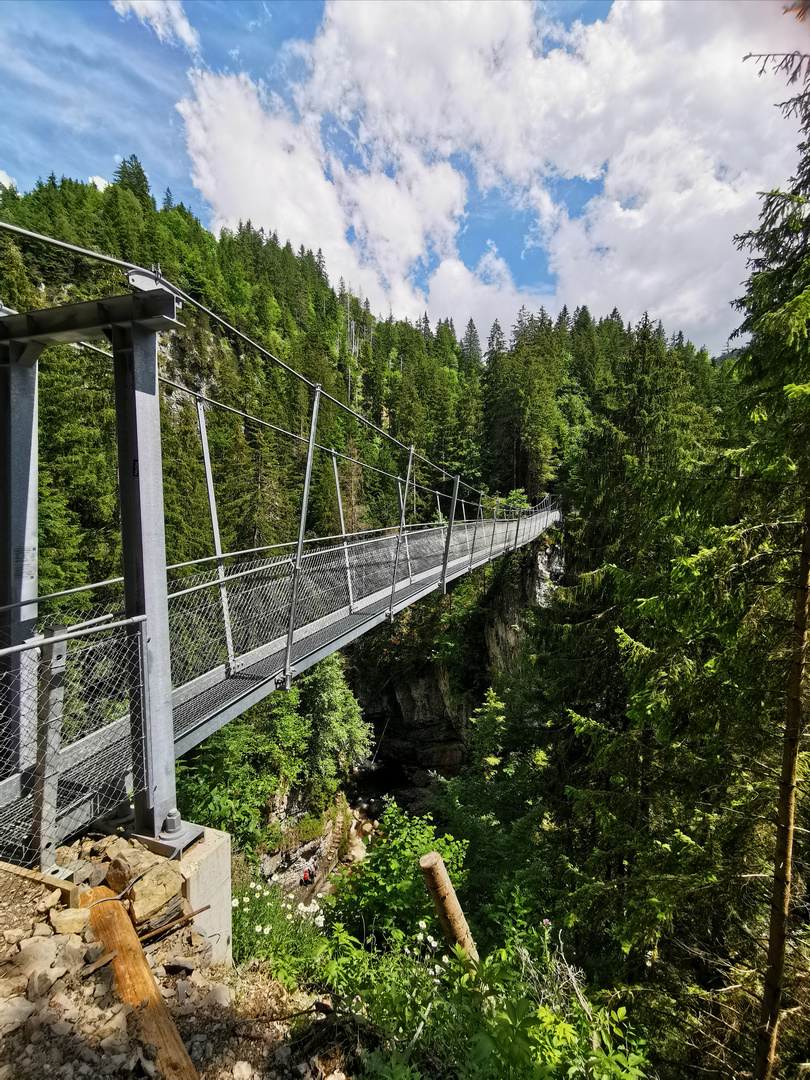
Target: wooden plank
x,y
134,983
69,891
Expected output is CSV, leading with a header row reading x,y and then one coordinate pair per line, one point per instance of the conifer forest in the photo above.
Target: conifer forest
x,y
628,831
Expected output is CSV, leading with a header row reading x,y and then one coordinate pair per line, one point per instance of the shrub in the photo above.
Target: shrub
x,y
386,892
269,925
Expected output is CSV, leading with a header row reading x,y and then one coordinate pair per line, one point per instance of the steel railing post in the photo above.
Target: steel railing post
x,y
140,472
449,533
49,738
19,494
403,501
302,528
212,507
466,534
343,533
517,530
494,528
475,528
400,533
439,508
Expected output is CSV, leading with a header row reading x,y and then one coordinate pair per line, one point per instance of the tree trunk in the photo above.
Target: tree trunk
x,y
767,1030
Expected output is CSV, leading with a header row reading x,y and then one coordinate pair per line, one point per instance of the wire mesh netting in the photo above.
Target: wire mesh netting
x,y
232,626
292,531
312,545
66,746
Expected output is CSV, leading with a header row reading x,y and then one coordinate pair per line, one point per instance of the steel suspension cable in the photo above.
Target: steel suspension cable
x,y
180,293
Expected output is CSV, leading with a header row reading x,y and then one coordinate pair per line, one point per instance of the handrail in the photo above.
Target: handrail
x,y
87,631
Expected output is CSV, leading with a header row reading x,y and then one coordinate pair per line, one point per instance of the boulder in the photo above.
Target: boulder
x,y
127,865
41,980
97,875
219,995
64,856
13,985
70,920
83,872
110,847
269,864
148,895
71,955
13,1013
40,953
115,1028
50,900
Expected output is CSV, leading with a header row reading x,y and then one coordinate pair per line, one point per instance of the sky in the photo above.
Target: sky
x,y
460,158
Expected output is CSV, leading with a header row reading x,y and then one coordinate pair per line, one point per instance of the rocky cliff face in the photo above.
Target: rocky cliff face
x,y
419,721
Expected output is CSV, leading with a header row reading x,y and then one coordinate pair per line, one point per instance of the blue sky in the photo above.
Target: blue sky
x,y
459,158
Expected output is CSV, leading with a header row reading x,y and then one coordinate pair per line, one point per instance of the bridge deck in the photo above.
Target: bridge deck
x,y
229,631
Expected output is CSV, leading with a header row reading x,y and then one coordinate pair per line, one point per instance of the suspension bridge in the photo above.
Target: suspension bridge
x,y
97,701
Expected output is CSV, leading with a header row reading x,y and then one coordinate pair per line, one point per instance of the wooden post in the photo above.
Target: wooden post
x,y
446,903
135,983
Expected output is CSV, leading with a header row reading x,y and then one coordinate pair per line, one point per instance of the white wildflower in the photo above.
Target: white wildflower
x,y
445,959
420,937
266,931
318,920
258,928
235,902
422,924
289,917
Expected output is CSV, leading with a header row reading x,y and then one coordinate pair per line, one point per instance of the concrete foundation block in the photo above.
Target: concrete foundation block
x,y
206,871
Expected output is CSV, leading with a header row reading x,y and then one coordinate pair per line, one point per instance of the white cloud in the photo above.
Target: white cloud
x,y
98,182
655,99
484,294
253,162
7,181
166,18
396,219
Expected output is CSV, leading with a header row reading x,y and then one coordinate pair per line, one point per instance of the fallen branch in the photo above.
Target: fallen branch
x,y
172,924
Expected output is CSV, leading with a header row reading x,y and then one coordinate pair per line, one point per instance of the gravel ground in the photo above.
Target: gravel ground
x,y
61,1018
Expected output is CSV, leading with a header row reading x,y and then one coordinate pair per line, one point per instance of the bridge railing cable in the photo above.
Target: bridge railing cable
x,y
254,606
154,276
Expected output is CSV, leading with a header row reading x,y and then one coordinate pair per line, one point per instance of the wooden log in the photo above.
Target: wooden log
x,y
446,903
70,892
135,983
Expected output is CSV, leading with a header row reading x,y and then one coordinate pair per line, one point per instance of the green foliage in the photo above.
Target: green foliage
x,y
376,1067
518,1014
340,738
385,892
487,730
228,781
268,925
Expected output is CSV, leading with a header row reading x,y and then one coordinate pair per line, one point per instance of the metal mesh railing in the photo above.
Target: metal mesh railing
x,y
234,618
66,745
84,718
